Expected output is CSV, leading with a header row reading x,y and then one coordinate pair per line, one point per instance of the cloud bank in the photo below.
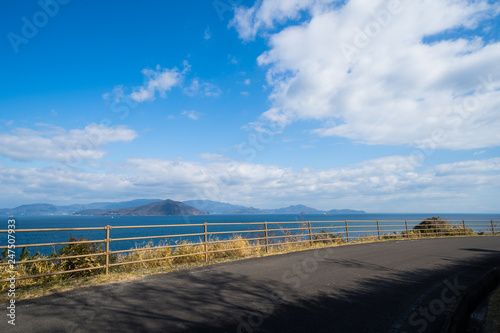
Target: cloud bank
x,y
381,72
371,183
56,144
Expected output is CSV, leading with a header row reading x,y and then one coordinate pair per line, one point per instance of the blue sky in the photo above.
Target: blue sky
x,y
385,106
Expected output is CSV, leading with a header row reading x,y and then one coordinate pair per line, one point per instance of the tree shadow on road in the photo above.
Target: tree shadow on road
x,y
209,299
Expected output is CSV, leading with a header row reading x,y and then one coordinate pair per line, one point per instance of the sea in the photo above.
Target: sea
x,y
359,225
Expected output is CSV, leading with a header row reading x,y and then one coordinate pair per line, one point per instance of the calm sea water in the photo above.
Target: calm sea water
x,y
186,222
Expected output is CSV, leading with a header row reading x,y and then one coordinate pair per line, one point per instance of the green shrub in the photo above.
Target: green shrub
x,y
82,262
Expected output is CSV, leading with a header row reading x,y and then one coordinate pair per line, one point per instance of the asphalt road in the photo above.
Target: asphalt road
x,y
398,286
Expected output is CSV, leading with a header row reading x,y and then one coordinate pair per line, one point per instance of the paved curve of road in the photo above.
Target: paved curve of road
x,y
398,286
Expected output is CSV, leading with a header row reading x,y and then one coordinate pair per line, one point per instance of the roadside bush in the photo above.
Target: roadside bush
x,y
436,226
82,262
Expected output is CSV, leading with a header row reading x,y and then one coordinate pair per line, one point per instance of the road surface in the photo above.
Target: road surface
x,y
397,286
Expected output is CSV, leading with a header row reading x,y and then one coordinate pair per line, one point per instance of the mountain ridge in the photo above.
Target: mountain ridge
x,y
215,207
212,207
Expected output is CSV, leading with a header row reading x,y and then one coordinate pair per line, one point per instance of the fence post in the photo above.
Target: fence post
x,y
108,227
310,233
347,230
267,239
492,227
465,229
205,234
378,230
406,226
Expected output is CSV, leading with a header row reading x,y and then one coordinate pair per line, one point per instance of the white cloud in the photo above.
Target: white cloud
x,y
264,14
198,87
160,81
115,95
211,157
232,59
157,81
389,87
465,167
60,184
51,143
207,34
194,115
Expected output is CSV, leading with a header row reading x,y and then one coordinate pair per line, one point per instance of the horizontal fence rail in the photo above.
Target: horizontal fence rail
x,y
263,236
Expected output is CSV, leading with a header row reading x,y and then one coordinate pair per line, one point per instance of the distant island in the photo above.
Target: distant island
x,y
159,207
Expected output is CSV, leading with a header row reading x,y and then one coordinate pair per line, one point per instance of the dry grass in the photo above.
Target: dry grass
x,y
35,268
147,252
236,246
